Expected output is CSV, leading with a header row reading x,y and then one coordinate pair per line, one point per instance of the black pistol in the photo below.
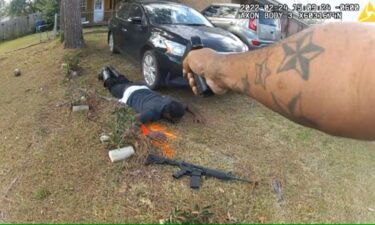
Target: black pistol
x,y
203,89
194,171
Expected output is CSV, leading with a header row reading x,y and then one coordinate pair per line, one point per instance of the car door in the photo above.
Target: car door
x,y
121,36
137,29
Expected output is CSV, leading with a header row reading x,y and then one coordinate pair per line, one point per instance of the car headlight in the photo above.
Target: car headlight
x,y
175,48
172,48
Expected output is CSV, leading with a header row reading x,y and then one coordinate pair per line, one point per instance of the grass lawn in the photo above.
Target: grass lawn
x,y
23,42
53,167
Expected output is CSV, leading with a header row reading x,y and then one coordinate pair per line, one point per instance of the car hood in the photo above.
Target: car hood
x,y
212,37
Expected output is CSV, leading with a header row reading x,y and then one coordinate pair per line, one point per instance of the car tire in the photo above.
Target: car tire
x,y
150,70
111,44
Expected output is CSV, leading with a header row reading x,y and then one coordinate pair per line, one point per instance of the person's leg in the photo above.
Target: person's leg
x,y
116,82
117,85
110,72
123,80
118,90
116,74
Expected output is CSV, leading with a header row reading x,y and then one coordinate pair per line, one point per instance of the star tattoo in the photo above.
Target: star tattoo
x,y
262,72
290,110
299,54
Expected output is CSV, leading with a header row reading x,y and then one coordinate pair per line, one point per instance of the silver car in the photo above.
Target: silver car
x,y
256,33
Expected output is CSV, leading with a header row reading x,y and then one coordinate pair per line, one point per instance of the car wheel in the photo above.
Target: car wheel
x,y
111,44
150,70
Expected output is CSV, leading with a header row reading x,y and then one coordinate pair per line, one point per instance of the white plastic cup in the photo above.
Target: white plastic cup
x,y
79,108
121,153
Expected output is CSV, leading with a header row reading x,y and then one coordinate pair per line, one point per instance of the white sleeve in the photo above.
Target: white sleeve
x,y
129,91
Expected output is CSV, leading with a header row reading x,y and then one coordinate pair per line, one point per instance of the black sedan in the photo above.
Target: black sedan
x,y
156,32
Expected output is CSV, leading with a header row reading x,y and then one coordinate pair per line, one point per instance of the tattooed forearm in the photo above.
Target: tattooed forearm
x,y
291,111
298,55
245,84
262,72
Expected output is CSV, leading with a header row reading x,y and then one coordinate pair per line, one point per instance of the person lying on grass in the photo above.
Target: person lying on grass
x,y
149,105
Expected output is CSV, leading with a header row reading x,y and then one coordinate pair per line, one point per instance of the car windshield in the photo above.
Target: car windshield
x,y
266,21
175,14
222,11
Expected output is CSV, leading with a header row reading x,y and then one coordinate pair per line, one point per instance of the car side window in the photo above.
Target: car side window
x,y
135,11
211,11
221,11
123,11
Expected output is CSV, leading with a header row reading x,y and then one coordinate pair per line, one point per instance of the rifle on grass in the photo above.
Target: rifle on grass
x,y
193,170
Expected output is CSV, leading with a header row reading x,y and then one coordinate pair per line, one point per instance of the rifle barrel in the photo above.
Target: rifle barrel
x,y
243,179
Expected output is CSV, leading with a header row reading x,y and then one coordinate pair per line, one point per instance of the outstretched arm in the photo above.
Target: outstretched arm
x,y
322,77
198,117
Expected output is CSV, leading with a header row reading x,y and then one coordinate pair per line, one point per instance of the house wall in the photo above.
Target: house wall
x,y
88,14
89,5
107,4
202,4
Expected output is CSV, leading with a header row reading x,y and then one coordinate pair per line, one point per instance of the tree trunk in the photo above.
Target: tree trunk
x,y
62,27
73,36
